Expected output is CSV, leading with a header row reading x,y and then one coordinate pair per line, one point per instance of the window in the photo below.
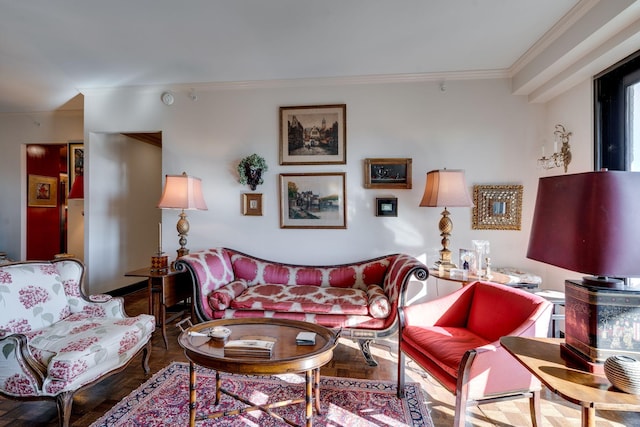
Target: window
x,y
617,116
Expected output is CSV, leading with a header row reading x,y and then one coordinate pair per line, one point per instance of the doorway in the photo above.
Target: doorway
x,y
47,187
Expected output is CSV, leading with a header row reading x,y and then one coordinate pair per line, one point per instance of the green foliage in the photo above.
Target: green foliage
x,y
251,163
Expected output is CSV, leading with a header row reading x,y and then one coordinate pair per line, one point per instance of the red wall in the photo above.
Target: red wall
x,y
46,226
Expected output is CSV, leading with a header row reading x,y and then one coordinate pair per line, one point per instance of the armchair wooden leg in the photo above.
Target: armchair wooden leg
x,y
366,352
460,416
64,401
401,362
146,355
534,407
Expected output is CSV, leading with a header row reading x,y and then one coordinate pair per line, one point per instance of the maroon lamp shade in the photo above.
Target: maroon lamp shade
x,y
588,223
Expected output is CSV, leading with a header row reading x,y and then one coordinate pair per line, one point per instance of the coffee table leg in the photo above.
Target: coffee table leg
x,y
218,387
309,379
316,389
192,395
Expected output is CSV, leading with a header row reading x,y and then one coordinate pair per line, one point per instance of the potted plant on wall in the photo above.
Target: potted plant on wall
x,y
251,169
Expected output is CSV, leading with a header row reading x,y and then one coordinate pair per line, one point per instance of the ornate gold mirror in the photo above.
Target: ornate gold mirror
x,y
497,207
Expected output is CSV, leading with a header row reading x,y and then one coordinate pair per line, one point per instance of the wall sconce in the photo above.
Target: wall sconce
x,y
558,158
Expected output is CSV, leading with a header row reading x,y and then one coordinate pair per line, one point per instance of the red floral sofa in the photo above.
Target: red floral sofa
x,y
55,340
360,297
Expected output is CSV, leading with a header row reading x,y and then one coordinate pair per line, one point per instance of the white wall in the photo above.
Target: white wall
x,y
477,125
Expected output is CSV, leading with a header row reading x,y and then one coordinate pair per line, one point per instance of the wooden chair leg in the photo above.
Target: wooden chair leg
x,y
534,407
460,415
146,355
64,401
401,362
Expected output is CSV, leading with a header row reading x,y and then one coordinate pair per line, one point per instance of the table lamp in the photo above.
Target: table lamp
x,y
182,192
588,223
446,188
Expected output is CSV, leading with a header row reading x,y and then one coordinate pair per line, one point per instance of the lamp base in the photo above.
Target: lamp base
x,y
576,360
182,252
603,282
445,265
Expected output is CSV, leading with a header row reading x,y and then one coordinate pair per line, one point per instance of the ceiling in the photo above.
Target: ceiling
x,y
50,51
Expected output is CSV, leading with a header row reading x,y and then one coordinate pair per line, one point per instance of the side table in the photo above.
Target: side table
x,y
541,356
166,289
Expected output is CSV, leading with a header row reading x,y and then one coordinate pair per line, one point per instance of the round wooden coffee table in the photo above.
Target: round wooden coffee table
x,y
286,357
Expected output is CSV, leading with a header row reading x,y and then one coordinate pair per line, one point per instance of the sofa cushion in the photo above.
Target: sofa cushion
x,y
32,296
444,346
79,343
302,298
496,310
358,275
221,298
379,305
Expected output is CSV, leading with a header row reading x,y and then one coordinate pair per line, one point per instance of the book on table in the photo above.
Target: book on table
x,y
249,348
306,338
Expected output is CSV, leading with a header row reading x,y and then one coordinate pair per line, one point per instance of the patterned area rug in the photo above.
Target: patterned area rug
x,y
163,401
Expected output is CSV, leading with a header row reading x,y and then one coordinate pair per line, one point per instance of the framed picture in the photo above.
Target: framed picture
x,y
76,161
387,206
43,191
467,260
313,135
252,204
497,207
387,173
313,200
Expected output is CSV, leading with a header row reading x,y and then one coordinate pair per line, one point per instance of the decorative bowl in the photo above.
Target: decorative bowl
x,y
219,332
624,373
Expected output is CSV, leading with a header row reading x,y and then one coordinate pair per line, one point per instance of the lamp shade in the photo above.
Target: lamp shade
x,y
77,189
446,188
182,192
588,223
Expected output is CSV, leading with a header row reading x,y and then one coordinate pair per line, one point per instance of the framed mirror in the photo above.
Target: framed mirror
x,y
497,207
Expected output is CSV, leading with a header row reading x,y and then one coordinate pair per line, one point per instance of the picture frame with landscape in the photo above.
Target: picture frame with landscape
x,y
313,135
313,200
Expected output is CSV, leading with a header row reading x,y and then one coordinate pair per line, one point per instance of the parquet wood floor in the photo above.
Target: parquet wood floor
x,y
347,362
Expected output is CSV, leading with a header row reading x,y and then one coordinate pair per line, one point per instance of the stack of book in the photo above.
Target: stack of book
x,y
259,349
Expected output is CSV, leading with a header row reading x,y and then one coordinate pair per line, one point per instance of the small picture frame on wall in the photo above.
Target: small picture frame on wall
x,y
76,161
252,204
386,206
313,135
387,173
43,191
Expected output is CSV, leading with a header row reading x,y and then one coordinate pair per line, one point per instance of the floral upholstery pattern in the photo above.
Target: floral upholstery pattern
x,y
54,339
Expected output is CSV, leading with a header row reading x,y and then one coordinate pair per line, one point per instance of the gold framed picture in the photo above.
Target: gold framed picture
x,y
252,204
313,200
313,135
497,207
43,191
387,173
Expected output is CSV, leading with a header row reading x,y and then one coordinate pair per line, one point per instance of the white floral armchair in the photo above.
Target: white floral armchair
x,y
54,340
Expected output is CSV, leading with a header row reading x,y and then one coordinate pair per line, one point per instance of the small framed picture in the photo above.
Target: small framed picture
x,y
387,173
387,206
252,204
468,260
313,135
43,191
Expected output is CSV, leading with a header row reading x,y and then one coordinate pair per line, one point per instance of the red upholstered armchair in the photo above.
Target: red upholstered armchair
x,y
456,340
